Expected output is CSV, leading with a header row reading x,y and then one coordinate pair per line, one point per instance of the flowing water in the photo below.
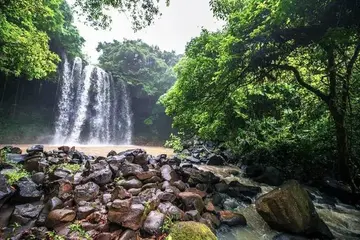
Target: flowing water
x,y
343,220
92,107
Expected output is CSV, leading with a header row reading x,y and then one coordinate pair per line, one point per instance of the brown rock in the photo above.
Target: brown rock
x,y
146,175
129,216
197,191
154,222
192,201
232,219
169,174
210,207
59,216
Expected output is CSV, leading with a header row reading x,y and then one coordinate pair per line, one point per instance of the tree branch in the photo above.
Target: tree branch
x,y
301,81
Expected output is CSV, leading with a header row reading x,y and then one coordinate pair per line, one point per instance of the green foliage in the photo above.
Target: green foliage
x,y
278,75
137,63
26,28
14,175
174,142
54,236
73,168
76,227
142,12
168,223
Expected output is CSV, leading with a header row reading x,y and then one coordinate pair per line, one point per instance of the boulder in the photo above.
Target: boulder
x,y
140,157
65,149
25,213
35,149
58,217
290,209
84,211
213,218
101,174
271,176
153,223
38,178
125,213
55,203
232,219
180,185
192,201
27,191
171,210
190,230
215,160
5,190
194,176
32,163
169,174
129,169
132,183
339,190
16,158
238,190
254,171
120,193
193,159
111,153
147,175
86,192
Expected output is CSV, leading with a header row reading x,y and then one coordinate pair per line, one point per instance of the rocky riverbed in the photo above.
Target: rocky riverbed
x,y
67,194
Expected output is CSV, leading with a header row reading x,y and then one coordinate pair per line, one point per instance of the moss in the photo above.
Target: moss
x,y
190,231
15,175
73,168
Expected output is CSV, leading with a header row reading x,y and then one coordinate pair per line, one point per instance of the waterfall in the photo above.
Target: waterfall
x,y
93,108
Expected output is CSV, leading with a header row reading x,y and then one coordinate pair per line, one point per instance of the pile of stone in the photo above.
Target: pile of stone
x,y
126,195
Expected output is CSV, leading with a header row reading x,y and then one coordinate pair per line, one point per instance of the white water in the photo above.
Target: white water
x,y
90,110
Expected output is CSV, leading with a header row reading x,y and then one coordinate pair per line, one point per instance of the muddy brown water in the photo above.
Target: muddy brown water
x,y
101,150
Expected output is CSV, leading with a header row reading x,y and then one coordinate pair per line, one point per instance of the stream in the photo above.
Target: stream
x,y
343,220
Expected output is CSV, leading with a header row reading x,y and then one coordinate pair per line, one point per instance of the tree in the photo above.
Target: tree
x,y
315,41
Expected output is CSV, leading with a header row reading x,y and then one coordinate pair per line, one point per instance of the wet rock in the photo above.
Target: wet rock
x,y
167,196
25,213
192,201
31,163
339,190
140,157
147,175
58,217
101,174
5,190
60,174
149,185
213,218
84,211
290,209
232,219
55,203
180,185
128,169
169,174
271,176
65,190
153,223
221,187
239,190
111,153
209,206
35,149
16,158
192,215
120,193
230,204
215,160
134,191
202,194
154,179
27,191
186,165
254,171
128,235
132,183
193,159
194,176
171,210
86,192
65,149
195,230
126,214
38,178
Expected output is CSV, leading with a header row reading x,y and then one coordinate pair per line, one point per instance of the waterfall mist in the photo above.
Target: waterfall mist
x,y
92,107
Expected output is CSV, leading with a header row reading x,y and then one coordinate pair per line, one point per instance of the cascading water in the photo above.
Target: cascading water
x,y
90,108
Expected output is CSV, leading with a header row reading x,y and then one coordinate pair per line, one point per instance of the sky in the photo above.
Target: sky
x,y
179,22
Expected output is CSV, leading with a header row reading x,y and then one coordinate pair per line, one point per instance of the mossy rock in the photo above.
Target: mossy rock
x,y
191,231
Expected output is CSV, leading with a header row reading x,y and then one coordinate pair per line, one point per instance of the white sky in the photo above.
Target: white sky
x,y
179,22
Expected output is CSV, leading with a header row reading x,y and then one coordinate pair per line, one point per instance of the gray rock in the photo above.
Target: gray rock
x,y
132,183
101,174
126,214
193,159
154,222
86,192
171,210
35,149
129,169
192,215
5,190
215,160
180,185
169,174
84,211
271,176
16,158
38,178
27,191
25,213
55,203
